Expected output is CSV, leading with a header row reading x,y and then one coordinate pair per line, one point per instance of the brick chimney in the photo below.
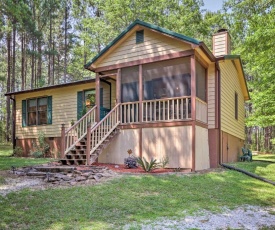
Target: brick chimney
x,y
221,43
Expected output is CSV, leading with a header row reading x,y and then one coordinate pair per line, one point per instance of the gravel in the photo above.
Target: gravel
x,y
16,184
246,217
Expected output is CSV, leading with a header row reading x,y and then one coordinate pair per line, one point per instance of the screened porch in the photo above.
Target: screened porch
x,y
162,91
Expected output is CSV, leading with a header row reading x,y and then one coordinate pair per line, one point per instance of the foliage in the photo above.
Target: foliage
x,y
164,162
254,41
17,152
137,199
147,166
41,148
5,150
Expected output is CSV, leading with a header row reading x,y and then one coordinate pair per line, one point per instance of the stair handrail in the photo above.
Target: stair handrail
x,y
75,133
103,128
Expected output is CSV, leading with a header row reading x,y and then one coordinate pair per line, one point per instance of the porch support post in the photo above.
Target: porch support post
x,y
62,144
118,92
97,97
118,86
88,144
140,89
193,109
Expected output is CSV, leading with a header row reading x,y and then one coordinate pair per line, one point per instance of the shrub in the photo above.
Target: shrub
x,y
42,148
17,152
147,166
164,161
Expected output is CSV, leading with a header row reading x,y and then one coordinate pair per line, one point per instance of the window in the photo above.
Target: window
x,y
236,106
37,111
140,36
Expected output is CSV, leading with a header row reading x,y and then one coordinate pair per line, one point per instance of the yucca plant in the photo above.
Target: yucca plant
x,y
147,166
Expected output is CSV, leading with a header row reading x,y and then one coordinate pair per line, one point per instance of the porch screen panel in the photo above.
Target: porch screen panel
x,y
129,84
167,79
200,81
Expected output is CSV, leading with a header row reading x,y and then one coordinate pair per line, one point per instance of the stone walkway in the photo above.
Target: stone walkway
x,y
43,177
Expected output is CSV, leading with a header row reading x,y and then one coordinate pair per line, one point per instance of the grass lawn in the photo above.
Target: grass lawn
x,y
265,157
5,150
263,169
6,161
131,198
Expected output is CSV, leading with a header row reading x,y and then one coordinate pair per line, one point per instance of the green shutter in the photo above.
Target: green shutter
x,y
49,112
24,113
79,104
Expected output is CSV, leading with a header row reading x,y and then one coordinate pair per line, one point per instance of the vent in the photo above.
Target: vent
x,y
140,36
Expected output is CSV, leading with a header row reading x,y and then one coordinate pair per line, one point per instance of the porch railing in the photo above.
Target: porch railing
x,y
129,112
167,109
103,128
79,130
201,110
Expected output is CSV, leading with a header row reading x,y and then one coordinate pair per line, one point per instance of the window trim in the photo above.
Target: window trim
x,y
26,113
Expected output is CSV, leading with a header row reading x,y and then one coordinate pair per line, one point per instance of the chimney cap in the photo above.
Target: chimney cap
x,y
222,30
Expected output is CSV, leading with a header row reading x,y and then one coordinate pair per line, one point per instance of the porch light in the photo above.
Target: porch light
x,y
88,102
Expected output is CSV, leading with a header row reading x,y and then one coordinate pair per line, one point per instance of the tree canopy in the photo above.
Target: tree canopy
x,y
47,42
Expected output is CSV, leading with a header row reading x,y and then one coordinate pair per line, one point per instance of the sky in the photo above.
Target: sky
x,y
213,5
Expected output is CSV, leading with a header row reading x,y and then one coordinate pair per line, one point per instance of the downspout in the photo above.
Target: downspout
x,y
219,110
13,122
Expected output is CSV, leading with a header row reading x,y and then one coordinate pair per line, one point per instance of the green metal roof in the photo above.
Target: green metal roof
x,y
231,57
148,25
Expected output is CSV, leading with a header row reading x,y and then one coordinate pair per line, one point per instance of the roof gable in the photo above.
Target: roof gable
x,y
138,25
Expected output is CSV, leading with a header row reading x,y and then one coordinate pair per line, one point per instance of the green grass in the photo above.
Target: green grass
x,y
263,169
6,161
131,199
265,157
5,150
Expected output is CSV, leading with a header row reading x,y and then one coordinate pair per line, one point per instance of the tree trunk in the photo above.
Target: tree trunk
x,y
23,61
50,50
53,64
13,56
32,65
8,86
65,53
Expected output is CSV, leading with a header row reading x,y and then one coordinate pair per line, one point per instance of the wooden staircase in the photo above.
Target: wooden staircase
x,y
86,140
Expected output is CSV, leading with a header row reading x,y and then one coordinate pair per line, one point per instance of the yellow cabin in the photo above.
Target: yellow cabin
x,y
156,92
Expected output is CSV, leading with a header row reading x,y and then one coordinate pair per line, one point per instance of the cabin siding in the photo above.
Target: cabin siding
x,y
219,44
64,109
202,148
156,143
174,142
211,96
117,149
229,85
154,45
